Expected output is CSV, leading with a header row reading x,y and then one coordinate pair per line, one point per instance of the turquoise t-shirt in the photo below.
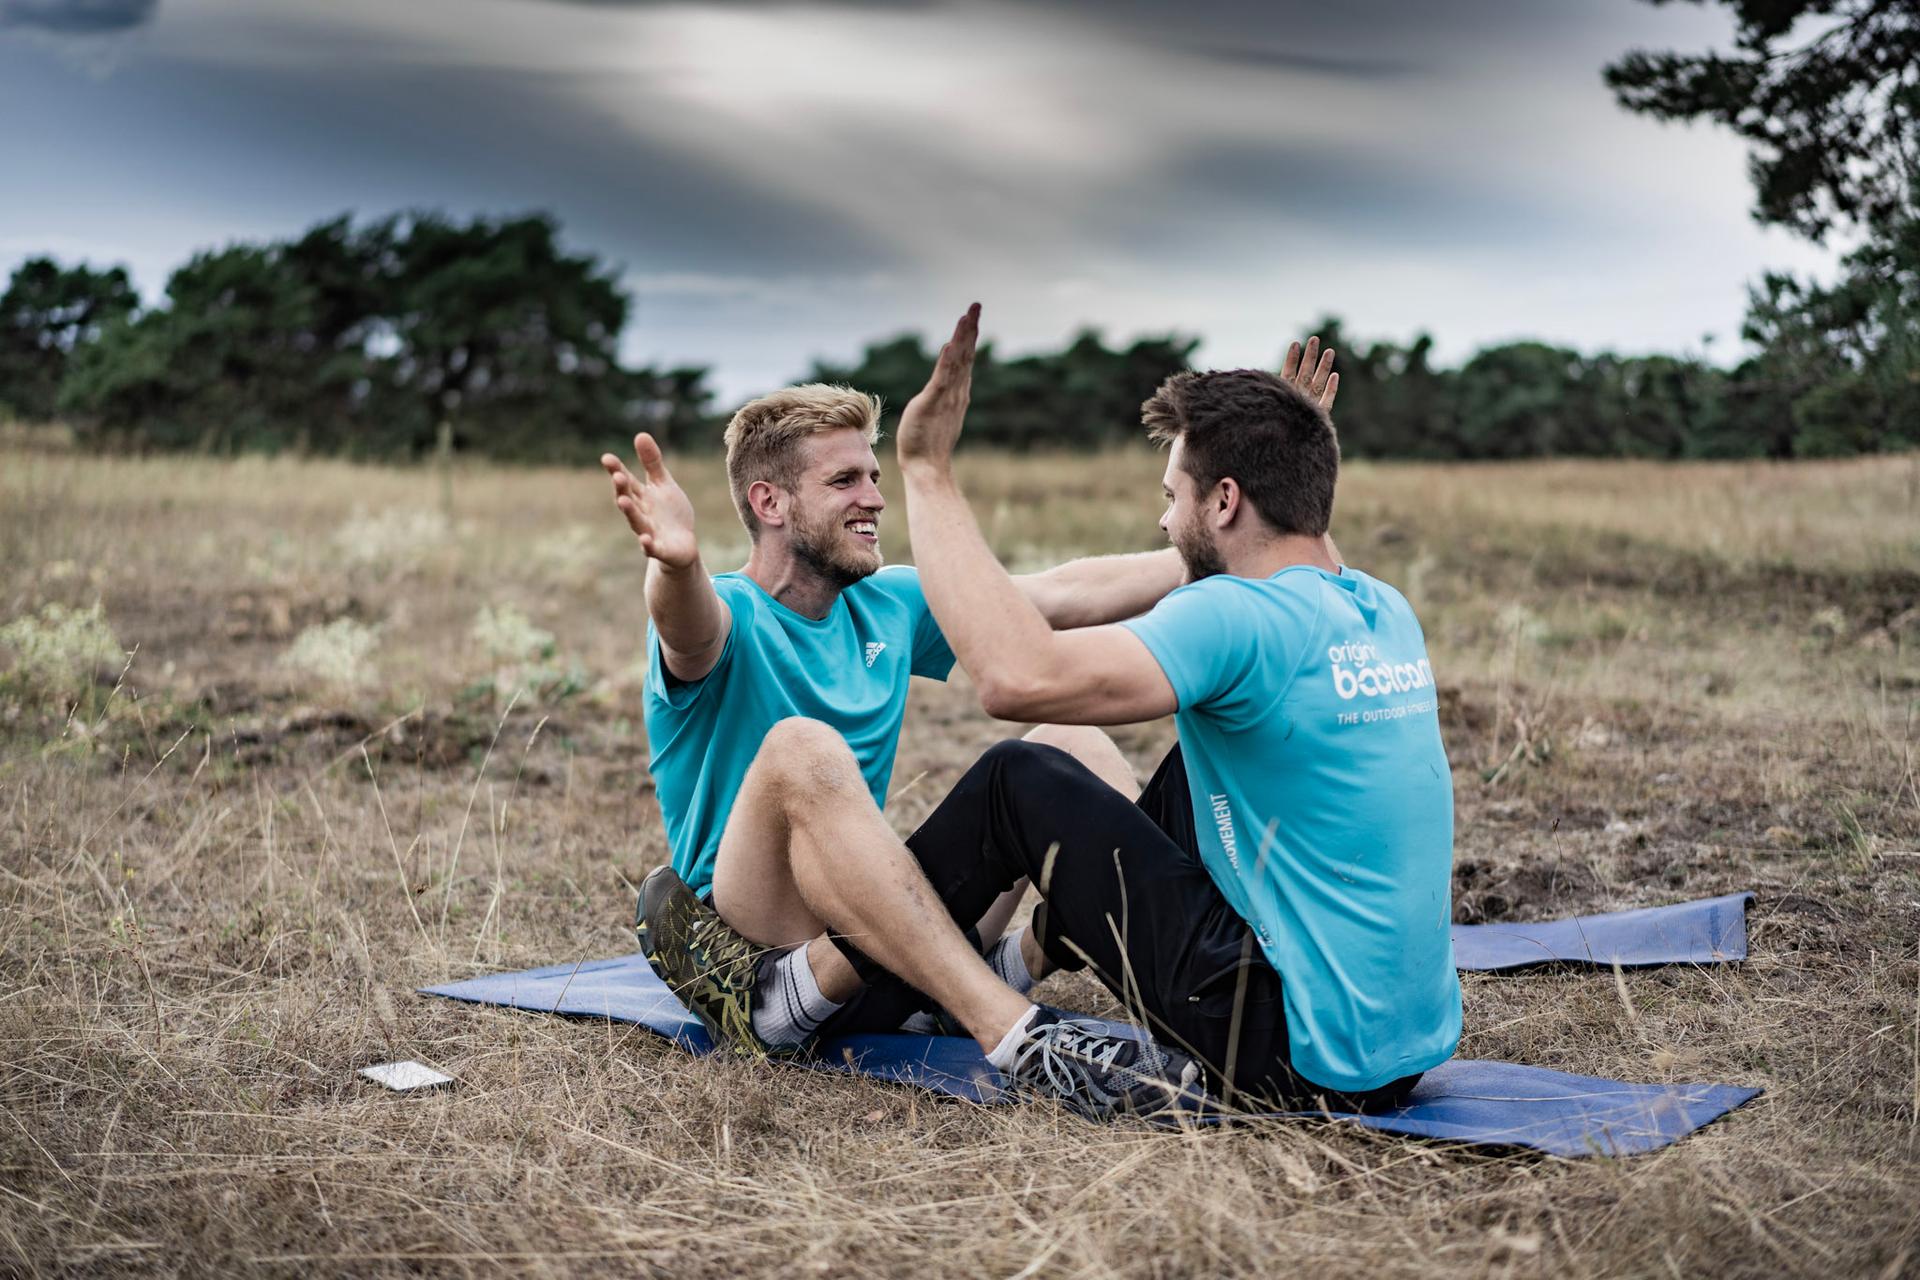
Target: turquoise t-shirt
x,y
849,669
1324,807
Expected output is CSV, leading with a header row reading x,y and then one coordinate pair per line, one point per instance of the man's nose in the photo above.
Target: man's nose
x,y
873,497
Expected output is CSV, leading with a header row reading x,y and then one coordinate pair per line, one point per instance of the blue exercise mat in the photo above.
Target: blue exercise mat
x,y
1484,1103
1711,931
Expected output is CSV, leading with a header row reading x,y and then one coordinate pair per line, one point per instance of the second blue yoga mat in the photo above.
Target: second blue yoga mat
x,y
1711,931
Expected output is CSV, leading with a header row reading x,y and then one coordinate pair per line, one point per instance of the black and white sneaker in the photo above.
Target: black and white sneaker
x,y
1098,1074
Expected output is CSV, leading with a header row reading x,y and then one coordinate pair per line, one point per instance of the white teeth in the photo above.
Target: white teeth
x,y
862,526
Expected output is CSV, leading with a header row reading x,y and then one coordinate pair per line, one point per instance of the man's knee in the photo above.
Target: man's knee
x,y
810,758
1075,739
1025,762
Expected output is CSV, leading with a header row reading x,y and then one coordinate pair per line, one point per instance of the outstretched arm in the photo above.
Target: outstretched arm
x,y
1097,589
1023,668
687,613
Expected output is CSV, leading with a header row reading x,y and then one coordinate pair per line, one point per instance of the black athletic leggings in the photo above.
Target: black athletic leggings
x,y
1123,892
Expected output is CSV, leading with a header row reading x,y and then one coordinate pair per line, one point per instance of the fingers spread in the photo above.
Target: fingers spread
x,y
1333,389
1290,367
648,451
1322,372
1310,356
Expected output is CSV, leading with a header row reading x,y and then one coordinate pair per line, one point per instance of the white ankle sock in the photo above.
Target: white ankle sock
x,y
1004,958
787,1004
1001,1056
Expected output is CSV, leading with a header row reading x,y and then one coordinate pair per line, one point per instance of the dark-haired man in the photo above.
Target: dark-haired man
x,y
1277,903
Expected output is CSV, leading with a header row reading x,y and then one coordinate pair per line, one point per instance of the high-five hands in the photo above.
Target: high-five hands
x,y
930,424
1311,370
656,509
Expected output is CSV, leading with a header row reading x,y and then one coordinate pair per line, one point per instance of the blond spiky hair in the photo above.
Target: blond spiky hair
x,y
763,439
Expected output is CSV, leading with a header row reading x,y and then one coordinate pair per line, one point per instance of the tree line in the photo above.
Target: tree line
x,y
417,333
385,339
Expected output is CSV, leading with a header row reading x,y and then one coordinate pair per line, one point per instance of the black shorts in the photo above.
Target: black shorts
x,y
1123,893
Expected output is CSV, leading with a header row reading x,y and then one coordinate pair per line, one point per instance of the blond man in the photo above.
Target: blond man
x,y
774,699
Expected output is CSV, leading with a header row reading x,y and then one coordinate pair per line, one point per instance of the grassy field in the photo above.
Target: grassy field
x,y
382,728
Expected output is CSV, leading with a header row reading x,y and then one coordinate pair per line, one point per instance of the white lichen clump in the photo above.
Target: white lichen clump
x,y
334,653
523,657
391,538
61,646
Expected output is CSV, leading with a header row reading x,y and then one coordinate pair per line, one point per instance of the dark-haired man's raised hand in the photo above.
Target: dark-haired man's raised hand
x,y
1311,370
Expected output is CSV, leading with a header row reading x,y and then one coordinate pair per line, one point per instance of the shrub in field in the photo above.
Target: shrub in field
x,y
391,539
60,647
334,653
524,657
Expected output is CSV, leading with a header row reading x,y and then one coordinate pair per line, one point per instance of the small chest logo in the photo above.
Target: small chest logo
x,y
874,649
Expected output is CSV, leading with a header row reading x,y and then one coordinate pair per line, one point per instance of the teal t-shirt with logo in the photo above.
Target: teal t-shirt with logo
x,y
849,670
1323,804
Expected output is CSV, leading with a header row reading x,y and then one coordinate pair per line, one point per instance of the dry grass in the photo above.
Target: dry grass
x,y
224,874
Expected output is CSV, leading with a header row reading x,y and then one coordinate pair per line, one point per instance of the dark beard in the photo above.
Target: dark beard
x,y
1198,553
819,555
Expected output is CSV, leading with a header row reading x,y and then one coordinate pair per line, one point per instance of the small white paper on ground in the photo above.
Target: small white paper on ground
x,y
405,1075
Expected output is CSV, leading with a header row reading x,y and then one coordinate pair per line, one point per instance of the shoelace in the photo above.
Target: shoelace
x,y
1062,1053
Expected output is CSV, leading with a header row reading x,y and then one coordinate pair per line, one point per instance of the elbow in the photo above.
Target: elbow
x,y
1011,696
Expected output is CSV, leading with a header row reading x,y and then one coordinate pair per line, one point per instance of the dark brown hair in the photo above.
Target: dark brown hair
x,y
1258,429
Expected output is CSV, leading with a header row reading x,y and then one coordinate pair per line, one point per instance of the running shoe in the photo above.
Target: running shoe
x,y
1097,1074
711,967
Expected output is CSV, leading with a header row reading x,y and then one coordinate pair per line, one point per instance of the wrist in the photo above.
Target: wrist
x,y
927,472
687,570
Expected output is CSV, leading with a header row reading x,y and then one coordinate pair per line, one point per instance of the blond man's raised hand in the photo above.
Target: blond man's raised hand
x,y
656,508
1311,370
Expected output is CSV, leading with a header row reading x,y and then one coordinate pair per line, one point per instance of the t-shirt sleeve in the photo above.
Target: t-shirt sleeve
x,y
1205,638
932,657
680,694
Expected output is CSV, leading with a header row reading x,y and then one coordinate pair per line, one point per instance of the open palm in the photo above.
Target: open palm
x,y
657,509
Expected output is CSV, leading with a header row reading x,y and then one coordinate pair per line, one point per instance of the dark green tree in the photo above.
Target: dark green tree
x,y
380,339
507,341
1827,92
47,313
228,363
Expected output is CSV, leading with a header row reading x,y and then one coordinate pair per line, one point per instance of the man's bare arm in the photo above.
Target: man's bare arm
x,y
1022,667
688,614
1099,589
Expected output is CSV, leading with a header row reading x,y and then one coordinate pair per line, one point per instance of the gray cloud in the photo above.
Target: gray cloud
x,y
1362,68
76,17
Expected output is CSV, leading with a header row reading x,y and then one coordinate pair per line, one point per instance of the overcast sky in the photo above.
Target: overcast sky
x,y
781,181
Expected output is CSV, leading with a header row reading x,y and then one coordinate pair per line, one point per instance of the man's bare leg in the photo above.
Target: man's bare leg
x,y
807,850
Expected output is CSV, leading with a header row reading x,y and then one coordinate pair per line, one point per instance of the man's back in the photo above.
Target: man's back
x,y
1308,721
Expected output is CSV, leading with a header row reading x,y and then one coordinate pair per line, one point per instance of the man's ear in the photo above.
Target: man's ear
x,y
1226,501
768,502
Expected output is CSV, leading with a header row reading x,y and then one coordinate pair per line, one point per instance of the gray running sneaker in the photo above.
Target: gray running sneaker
x,y
711,967
1098,1074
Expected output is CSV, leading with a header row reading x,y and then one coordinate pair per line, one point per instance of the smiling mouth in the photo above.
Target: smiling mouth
x,y
868,530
